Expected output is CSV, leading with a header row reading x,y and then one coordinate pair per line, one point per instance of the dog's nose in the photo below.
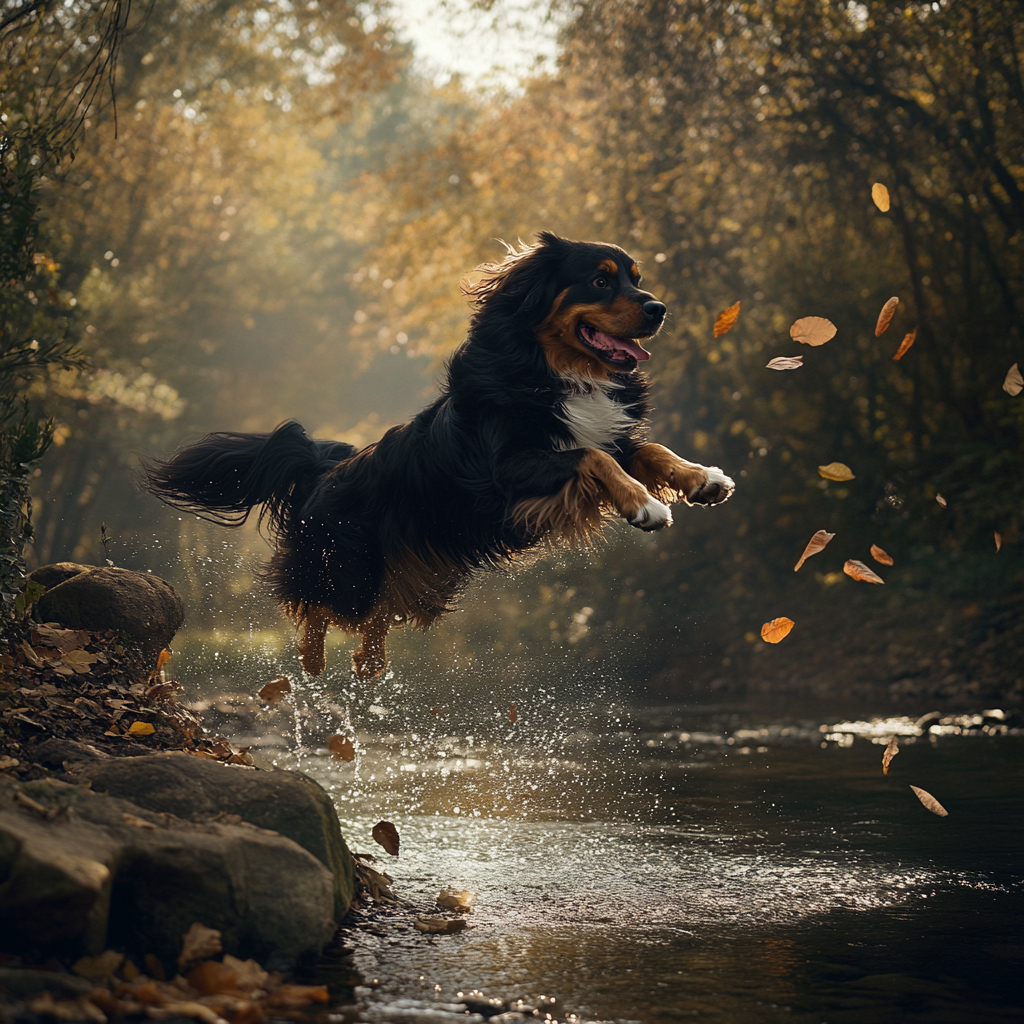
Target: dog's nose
x,y
655,310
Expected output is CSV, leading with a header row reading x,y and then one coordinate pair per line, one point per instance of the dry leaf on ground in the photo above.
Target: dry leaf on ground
x,y
513,714
199,943
459,900
941,500
80,661
785,363
860,572
891,750
908,340
999,539
341,748
812,330
439,925
880,556
838,471
777,630
295,997
141,729
248,972
101,966
63,639
886,315
1014,382
275,690
726,319
930,802
880,196
211,978
386,835
817,543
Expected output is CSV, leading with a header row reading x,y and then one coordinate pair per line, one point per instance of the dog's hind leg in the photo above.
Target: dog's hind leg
x,y
313,622
370,659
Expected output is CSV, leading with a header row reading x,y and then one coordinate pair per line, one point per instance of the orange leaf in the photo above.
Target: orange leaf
x,y
386,835
1014,382
812,330
836,471
777,630
880,556
512,715
141,729
785,363
999,539
341,748
161,659
891,750
908,340
814,545
275,690
885,316
211,978
880,196
860,572
726,320
930,802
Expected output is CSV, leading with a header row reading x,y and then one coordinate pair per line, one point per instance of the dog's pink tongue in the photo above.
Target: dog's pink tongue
x,y
619,348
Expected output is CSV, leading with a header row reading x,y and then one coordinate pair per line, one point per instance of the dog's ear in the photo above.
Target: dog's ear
x,y
525,283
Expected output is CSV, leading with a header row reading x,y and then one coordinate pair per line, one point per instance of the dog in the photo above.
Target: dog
x,y
539,433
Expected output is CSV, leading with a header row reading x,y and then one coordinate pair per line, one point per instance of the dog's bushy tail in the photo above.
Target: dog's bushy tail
x,y
224,476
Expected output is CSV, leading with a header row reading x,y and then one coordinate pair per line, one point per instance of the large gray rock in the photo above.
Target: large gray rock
x,y
81,872
143,608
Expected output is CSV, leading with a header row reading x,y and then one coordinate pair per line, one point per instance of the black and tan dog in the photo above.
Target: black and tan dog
x,y
538,432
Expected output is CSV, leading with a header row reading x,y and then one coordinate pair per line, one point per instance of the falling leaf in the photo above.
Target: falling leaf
x,y
199,943
880,556
275,690
461,901
999,539
930,802
817,543
513,715
1014,383
439,925
891,750
141,729
836,471
341,748
727,319
941,500
860,572
386,835
886,315
785,363
908,340
880,196
813,330
777,630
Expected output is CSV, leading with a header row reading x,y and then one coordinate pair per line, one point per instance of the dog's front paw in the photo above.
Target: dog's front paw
x,y
717,489
653,516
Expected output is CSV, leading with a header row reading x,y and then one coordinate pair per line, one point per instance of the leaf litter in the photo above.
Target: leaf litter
x,y
817,543
726,320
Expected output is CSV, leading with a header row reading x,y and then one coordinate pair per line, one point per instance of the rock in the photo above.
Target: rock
x,y
83,872
141,607
193,788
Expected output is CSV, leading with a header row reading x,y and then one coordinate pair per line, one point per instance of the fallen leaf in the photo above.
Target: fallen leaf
x,y
777,630
891,750
341,748
386,835
155,967
136,822
249,973
439,925
941,500
908,340
836,471
130,972
513,714
999,539
880,556
812,330
80,661
63,639
1014,383
886,315
275,690
102,966
860,572
141,729
817,543
199,943
785,363
295,997
30,655
880,196
185,1008
930,802
461,901
211,978
726,319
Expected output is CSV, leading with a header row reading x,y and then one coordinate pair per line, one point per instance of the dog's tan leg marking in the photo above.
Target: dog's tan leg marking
x,y
664,473
628,495
312,637
371,657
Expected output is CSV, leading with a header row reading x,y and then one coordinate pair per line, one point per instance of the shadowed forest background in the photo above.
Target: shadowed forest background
x,y
277,226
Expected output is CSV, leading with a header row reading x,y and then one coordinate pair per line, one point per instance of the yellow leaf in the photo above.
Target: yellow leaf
x,y
836,471
880,196
727,319
813,330
141,729
930,802
880,556
340,747
885,316
1014,383
860,572
777,630
891,750
386,835
785,363
908,340
814,545
161,659
275,690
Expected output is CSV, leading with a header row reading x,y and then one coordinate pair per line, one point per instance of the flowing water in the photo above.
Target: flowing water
x,y
706,863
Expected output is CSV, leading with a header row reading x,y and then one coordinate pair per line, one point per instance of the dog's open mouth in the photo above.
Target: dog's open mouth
x,y
624,352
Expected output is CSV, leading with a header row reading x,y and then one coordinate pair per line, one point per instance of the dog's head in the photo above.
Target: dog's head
x,y
582,301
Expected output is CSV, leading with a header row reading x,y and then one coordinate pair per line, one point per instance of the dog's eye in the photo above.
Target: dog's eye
x,y
600,282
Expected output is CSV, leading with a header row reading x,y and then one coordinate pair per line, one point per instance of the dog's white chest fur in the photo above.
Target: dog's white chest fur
x,y
594,417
